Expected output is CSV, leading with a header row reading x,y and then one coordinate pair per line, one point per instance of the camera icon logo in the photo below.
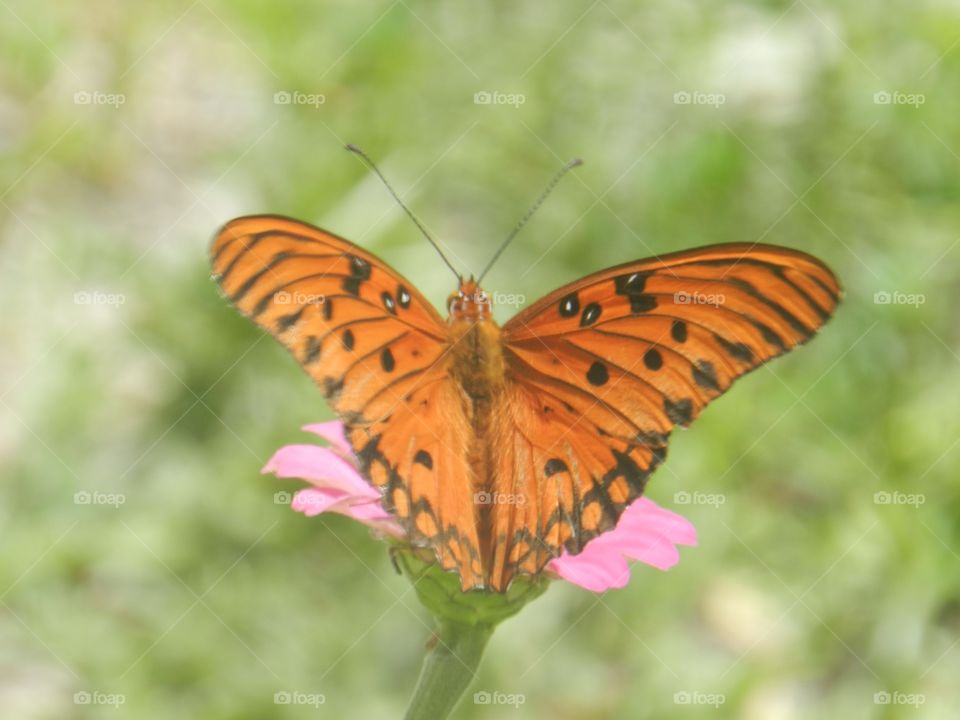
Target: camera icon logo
x,y
482,698
482,98
282,98
282,497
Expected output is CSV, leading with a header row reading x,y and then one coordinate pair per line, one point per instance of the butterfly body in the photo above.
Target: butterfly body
x,y
502,447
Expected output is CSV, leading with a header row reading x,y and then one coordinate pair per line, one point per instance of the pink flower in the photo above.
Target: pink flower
x,y
337,486
645,532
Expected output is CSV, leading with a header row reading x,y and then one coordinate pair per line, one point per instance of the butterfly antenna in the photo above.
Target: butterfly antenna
x,y
529,214
357,151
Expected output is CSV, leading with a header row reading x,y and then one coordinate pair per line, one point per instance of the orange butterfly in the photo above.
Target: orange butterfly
x,y
501,447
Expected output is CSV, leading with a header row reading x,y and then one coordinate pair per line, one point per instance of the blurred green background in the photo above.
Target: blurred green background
x,y
130,132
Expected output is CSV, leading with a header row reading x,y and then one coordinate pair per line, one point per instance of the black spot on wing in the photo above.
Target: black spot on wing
x,y
285,322
347,339
332,388
554,466
591,313
630,284
424,458
359,273
598,374
705,375
679,412
359,268
569,305
386,360
311,351
388,302
653,359
736,350
642,303
678,331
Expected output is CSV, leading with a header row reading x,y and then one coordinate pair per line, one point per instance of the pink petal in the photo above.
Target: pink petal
x,y
596,571
313,501
645,532
332,432
320,466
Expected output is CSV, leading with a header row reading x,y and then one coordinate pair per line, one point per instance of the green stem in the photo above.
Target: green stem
x,y
448,669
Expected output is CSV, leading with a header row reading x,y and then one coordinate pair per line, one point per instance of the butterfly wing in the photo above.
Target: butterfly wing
x,y
379,351
600,371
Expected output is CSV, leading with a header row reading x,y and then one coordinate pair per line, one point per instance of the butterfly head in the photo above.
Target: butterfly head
x,y
470,302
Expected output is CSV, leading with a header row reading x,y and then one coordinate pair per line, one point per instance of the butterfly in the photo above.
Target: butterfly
x,y
501,447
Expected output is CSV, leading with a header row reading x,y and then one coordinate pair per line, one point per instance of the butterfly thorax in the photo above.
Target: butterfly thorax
x,y
476,346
